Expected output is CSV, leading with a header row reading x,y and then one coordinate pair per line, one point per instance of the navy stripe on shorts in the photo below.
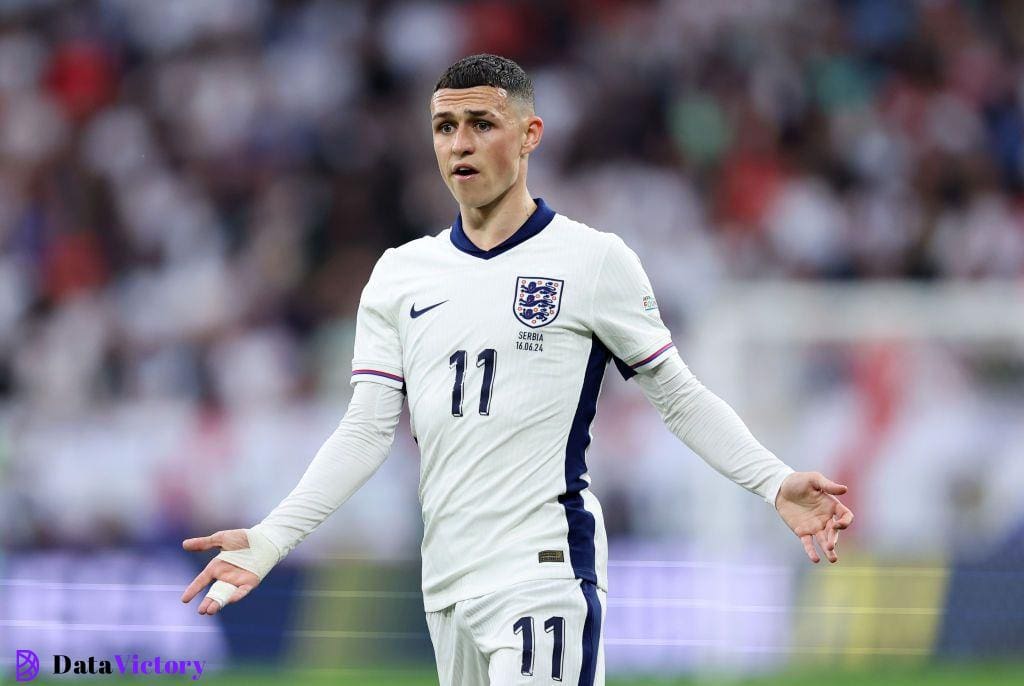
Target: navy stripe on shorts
x,y
591,633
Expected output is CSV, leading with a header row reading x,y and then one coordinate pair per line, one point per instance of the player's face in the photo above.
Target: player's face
x,y
481,140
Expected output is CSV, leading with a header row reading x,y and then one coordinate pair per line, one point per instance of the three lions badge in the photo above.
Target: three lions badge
x,y
538,300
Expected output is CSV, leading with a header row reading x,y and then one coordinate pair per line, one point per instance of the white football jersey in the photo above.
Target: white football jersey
x,y
501,354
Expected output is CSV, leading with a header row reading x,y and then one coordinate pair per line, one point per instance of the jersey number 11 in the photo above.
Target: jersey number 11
x,y
485,359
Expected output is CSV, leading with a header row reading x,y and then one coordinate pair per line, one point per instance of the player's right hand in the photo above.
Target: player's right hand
x,y
232,583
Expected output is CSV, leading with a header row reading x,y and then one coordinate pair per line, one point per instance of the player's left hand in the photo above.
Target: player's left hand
x,y
807,504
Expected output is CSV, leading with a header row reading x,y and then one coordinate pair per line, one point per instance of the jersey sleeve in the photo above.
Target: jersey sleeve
x,y
625,313
378,348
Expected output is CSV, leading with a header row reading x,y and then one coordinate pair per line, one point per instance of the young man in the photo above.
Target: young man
x,y
498,331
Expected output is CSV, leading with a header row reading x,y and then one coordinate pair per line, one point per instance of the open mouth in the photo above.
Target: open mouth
x,y
465,171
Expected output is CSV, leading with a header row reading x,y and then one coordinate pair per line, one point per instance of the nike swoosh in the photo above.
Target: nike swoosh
x,y
413,312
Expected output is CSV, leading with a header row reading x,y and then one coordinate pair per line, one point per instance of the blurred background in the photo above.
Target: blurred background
x,y
829,200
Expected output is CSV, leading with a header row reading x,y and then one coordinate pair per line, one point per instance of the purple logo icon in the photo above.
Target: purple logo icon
x,y
27,665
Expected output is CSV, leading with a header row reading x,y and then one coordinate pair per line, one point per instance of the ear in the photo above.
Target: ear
x,y
534,132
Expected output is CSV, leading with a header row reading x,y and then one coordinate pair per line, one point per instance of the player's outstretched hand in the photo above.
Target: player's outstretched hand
x,y
807,503
232,582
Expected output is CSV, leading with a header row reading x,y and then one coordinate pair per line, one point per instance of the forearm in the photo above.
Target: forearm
x,y
712,429
347,459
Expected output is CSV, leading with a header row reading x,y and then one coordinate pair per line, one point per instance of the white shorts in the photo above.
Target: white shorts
x,y
540,632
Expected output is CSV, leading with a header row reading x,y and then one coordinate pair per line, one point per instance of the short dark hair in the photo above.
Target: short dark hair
x,y
488,70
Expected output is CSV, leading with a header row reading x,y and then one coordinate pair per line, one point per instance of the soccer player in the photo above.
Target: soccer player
x,y
497,332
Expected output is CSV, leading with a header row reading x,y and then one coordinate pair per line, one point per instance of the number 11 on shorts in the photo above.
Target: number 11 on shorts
x,y
553,625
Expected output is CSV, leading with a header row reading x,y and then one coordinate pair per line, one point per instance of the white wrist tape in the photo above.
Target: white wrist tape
x,y
259,558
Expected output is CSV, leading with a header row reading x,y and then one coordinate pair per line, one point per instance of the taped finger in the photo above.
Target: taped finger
x,y
221,592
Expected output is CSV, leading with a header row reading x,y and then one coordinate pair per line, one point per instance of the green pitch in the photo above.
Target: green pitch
x,y
1001,674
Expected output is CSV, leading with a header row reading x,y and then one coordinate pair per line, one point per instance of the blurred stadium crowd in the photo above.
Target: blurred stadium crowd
x,y
192,194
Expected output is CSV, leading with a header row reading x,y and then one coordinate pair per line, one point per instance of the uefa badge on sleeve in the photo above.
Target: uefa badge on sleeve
x,y
538,300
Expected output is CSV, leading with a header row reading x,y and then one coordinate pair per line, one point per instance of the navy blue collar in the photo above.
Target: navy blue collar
x,y
540,218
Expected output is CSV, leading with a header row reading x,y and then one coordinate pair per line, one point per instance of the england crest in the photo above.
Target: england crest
x,y
538,300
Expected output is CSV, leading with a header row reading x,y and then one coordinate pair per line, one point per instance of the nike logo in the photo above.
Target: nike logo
x,y
413,312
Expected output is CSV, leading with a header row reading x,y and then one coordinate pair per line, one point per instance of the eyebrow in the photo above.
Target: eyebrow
x,y
472,113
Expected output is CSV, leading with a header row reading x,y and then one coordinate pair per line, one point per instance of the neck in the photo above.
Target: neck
x,y
490,225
